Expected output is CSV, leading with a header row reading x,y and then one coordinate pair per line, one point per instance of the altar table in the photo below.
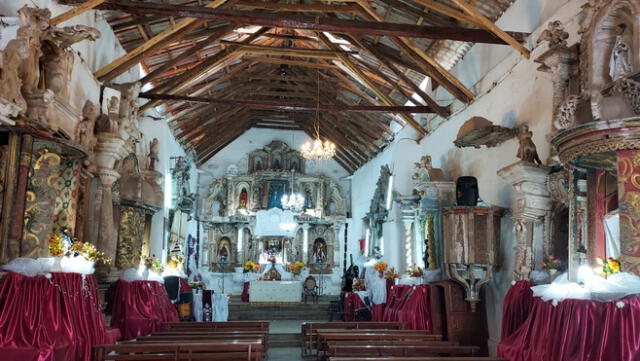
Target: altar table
x,y
574,330
275,292
53,318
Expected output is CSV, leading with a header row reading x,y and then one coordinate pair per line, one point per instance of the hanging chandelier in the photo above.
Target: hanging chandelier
x,y
317,149
293,201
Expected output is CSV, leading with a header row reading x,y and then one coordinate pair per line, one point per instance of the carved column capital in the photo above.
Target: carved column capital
x,y
531,198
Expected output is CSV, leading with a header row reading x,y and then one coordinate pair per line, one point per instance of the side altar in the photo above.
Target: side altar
x,y
244,219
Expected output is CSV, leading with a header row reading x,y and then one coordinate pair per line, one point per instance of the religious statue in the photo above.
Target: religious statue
x,y
379,201
153,154
217,192
554,34
337,200
308,197
319,251
85,130
21,57
424,172
619,63
243,199
527,150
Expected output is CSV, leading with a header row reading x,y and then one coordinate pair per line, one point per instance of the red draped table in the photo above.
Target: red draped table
x,y
50,319
352,302
141,307
410,305
574,330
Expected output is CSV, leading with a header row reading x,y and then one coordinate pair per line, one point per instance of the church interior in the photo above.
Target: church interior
x,y
340,180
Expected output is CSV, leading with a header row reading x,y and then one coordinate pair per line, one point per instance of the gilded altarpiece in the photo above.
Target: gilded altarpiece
x,y
130,237
629,201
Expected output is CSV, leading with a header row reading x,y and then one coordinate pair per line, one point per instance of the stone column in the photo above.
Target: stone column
x,y
240,246
408,209
109,149
305,243
530,203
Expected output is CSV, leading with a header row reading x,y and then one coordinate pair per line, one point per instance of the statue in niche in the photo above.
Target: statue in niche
x,y
308,197
258,165
216,193
339,207
243,199
619,63
276,191
223,250
153,154
294,166
319,251
424,172
276,164
527,150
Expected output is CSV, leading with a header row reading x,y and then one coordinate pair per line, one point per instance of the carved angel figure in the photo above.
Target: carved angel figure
x,y
337,200
85,129
619,63
554,34
527,150
153,154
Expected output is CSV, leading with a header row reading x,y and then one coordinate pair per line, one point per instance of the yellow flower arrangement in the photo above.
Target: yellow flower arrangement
x,y
391,274
153,264
416,272
380,266
609,266
296,267
57,248
250,266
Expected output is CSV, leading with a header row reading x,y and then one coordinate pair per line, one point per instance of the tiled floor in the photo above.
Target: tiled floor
x,y
284,354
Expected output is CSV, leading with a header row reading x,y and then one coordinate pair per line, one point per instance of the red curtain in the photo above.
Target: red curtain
x,y
516,307
141,307
410,305
47,319
576,330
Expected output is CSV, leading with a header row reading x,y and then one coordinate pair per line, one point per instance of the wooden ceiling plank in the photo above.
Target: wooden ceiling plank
x,y
165,34
298,7
448,81
305,64
185,54
489,25
364,80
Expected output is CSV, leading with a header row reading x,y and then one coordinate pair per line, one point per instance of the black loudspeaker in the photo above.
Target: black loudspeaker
x,y
467,191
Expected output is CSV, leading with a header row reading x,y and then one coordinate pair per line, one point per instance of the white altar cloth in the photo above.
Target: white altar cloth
x,y
220,310
275,291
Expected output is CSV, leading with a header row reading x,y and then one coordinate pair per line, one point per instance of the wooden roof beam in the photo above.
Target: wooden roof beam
x,y
291,107
85,6
298,21
489,25
298,7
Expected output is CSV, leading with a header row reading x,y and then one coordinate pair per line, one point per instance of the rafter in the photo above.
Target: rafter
x,y
292,107
296,21
86,6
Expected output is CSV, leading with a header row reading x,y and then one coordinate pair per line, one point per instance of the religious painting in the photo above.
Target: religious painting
x,y
276,191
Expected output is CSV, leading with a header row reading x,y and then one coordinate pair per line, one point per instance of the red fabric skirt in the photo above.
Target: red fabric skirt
x,y
45,319
141,307
377,312
352,302
516,307
576,330
410,305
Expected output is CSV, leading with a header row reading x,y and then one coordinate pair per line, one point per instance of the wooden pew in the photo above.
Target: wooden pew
x,y
454,358
212,350
393,350
309,329
234,325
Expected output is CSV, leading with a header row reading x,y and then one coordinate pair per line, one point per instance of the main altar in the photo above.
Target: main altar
x,y
244,219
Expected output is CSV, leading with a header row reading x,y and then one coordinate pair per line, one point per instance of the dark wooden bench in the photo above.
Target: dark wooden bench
x,y
393,350
371,337
309,329
212,350
235,325
454,358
